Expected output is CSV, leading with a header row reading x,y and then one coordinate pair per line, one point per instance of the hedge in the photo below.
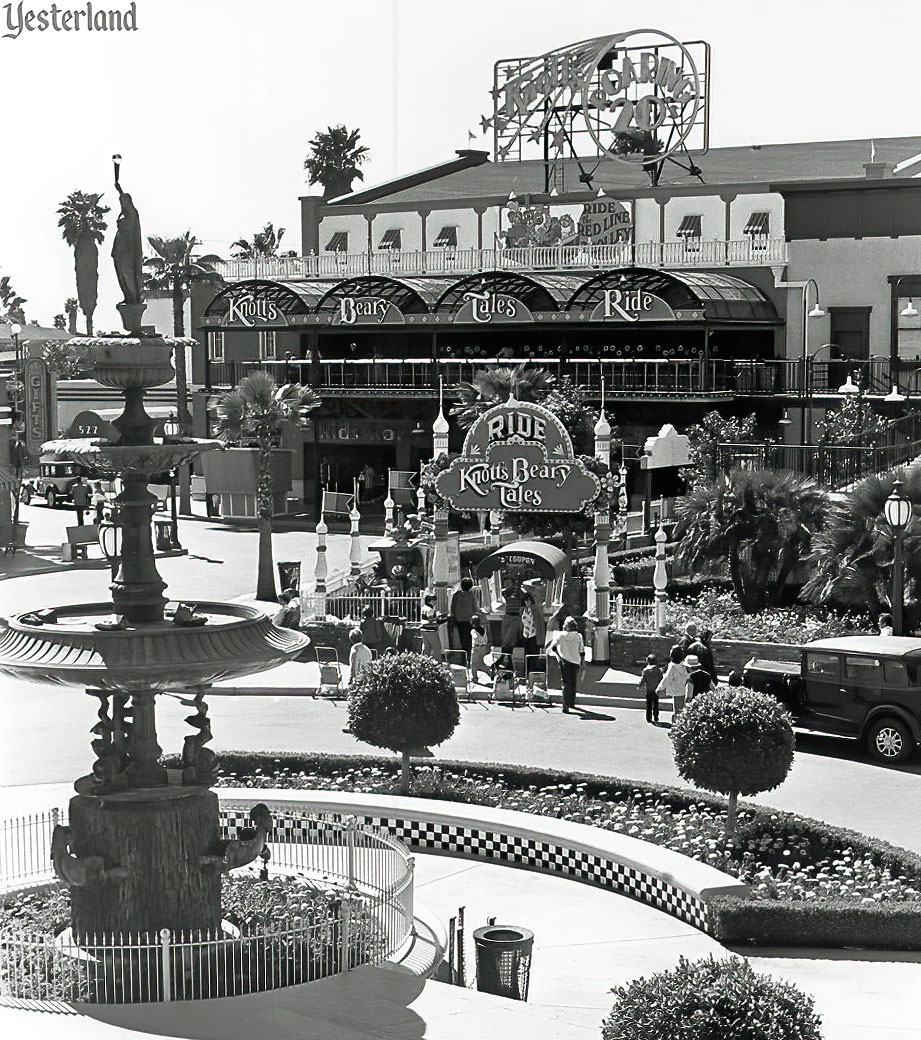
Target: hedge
x,y
763,922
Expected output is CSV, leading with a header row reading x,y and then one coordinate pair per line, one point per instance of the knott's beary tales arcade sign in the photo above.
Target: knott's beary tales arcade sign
x,y
518,456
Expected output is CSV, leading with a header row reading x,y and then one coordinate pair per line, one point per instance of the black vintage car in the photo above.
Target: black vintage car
x,y
864,687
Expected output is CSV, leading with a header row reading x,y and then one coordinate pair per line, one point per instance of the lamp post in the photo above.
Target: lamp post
x,y
110,541
172,430
816,312
897,511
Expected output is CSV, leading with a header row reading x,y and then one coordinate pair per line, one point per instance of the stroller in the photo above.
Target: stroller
x,y
331,682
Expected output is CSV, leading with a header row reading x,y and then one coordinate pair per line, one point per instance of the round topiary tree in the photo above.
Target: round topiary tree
x,y
733,741
403,702
705,999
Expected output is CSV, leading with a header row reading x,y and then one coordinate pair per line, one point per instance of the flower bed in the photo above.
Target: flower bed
x,y
812,884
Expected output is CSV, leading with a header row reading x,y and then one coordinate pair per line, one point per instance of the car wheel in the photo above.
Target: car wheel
x,y
25,496
51,498
890,741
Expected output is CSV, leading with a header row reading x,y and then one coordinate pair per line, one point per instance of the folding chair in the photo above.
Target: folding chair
x,y
536,679
331,684
456,660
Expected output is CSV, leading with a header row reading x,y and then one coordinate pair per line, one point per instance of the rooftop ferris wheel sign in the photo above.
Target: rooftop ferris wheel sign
x,y
637,97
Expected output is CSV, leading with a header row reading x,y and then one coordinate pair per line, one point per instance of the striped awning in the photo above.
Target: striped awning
x,y
689,226
339,243
759,223
393,239
447,237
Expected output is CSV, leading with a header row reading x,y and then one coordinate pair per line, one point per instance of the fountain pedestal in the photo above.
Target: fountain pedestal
x,y
161,838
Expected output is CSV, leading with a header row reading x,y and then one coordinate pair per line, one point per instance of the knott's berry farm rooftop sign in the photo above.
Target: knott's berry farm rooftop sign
x,y
518,456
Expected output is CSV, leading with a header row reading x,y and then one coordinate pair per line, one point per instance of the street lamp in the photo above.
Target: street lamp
x,y
849,387
897,511
816,312
110,541
172,430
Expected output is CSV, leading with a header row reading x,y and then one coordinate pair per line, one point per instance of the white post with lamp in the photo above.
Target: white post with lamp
x,y
897,511
816,312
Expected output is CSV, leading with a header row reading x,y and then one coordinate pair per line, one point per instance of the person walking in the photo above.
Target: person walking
x,y
674,682
649,684
689,636
79,493
360,656
511,618
699,680
463,609
99,501
431,619
568,647
701,648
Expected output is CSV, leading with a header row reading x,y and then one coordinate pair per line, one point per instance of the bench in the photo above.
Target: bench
x,y
78,538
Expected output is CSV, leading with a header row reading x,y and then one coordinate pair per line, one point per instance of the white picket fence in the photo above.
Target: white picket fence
x,y
632,614
362,914
353,605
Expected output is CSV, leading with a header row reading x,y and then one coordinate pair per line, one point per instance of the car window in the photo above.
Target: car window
x,y
822,665
864,670
894,673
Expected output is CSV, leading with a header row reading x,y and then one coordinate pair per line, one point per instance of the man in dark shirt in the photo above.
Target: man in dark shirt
x,y
463,609
701,647
699,681
511,618
649,683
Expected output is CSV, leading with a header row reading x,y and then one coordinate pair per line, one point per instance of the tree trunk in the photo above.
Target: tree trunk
x,y
182,395
89,324
731,814
265,577
406,772
158,836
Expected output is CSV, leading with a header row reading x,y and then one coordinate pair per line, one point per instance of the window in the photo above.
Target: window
x,y
759,228
690,230
447,237
216,346
906,296
339,243
894,673
392,239
822,666
267,345
863,670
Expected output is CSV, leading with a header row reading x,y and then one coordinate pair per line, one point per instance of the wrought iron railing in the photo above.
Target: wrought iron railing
x,y
747,252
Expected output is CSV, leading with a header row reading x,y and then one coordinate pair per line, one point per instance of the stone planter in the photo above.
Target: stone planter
x,y
629,650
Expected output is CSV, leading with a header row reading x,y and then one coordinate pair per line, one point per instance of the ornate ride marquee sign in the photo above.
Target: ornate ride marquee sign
x,y
518,456
367,310
631,305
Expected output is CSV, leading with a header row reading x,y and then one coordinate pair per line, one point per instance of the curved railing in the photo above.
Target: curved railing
x,y
360,911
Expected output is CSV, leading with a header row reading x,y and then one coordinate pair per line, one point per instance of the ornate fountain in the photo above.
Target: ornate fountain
x,y
142,850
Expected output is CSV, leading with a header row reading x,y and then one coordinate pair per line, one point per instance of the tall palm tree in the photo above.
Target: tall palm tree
x,y
254,415
334,160
852,557
264,243
492,386
175,270
11,303
759,524
70,309
83,228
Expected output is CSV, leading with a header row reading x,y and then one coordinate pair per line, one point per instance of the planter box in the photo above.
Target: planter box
x,y
233,474
628,650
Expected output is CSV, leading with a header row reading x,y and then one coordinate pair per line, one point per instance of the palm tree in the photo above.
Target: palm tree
x,y
175,270
70,309
851,559
11,303
265,243
492,386
83,227
759,524
334,160
254,415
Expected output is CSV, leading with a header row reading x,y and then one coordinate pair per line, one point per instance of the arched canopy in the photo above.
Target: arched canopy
x,y
720,297
291,298
547,560
409,295
538,292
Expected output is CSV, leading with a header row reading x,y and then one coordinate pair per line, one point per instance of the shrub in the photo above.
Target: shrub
x,y
403,702
733,741
706,999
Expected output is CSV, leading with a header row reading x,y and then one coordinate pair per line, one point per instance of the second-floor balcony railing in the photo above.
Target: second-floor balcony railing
x,y
748,252
638,377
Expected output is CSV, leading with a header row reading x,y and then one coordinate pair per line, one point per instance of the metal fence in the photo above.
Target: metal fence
x,y
633,614
360,911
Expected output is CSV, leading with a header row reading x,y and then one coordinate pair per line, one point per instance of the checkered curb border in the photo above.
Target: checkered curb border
x,y
528,853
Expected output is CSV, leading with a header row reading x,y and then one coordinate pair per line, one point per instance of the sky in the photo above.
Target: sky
x,y
211,103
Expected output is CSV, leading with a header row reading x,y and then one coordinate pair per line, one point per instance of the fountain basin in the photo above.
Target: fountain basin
x,y
68,650
144,460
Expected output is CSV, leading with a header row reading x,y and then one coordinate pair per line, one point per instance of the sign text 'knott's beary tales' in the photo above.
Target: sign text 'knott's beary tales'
x,y
518,456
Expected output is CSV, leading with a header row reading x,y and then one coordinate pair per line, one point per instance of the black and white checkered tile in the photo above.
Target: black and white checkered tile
x,y
529,853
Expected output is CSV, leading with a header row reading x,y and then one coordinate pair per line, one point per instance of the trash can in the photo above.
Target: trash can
x,y
163,533
503,960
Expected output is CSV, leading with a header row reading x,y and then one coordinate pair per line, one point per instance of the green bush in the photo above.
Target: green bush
x,y
711,1000
733,741
403,702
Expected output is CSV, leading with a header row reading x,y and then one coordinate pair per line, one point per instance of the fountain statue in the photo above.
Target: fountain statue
x,y
142,849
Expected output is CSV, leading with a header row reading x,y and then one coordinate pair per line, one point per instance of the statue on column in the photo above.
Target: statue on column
x,y
128,257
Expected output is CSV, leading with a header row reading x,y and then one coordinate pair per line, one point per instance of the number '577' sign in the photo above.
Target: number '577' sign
x,y
518,456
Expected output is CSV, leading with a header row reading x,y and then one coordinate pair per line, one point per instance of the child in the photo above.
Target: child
x,y
651,677
359,656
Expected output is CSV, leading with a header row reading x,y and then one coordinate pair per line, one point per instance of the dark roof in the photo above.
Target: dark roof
x,y
32,332
888,646
466,157
549,561
767,164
